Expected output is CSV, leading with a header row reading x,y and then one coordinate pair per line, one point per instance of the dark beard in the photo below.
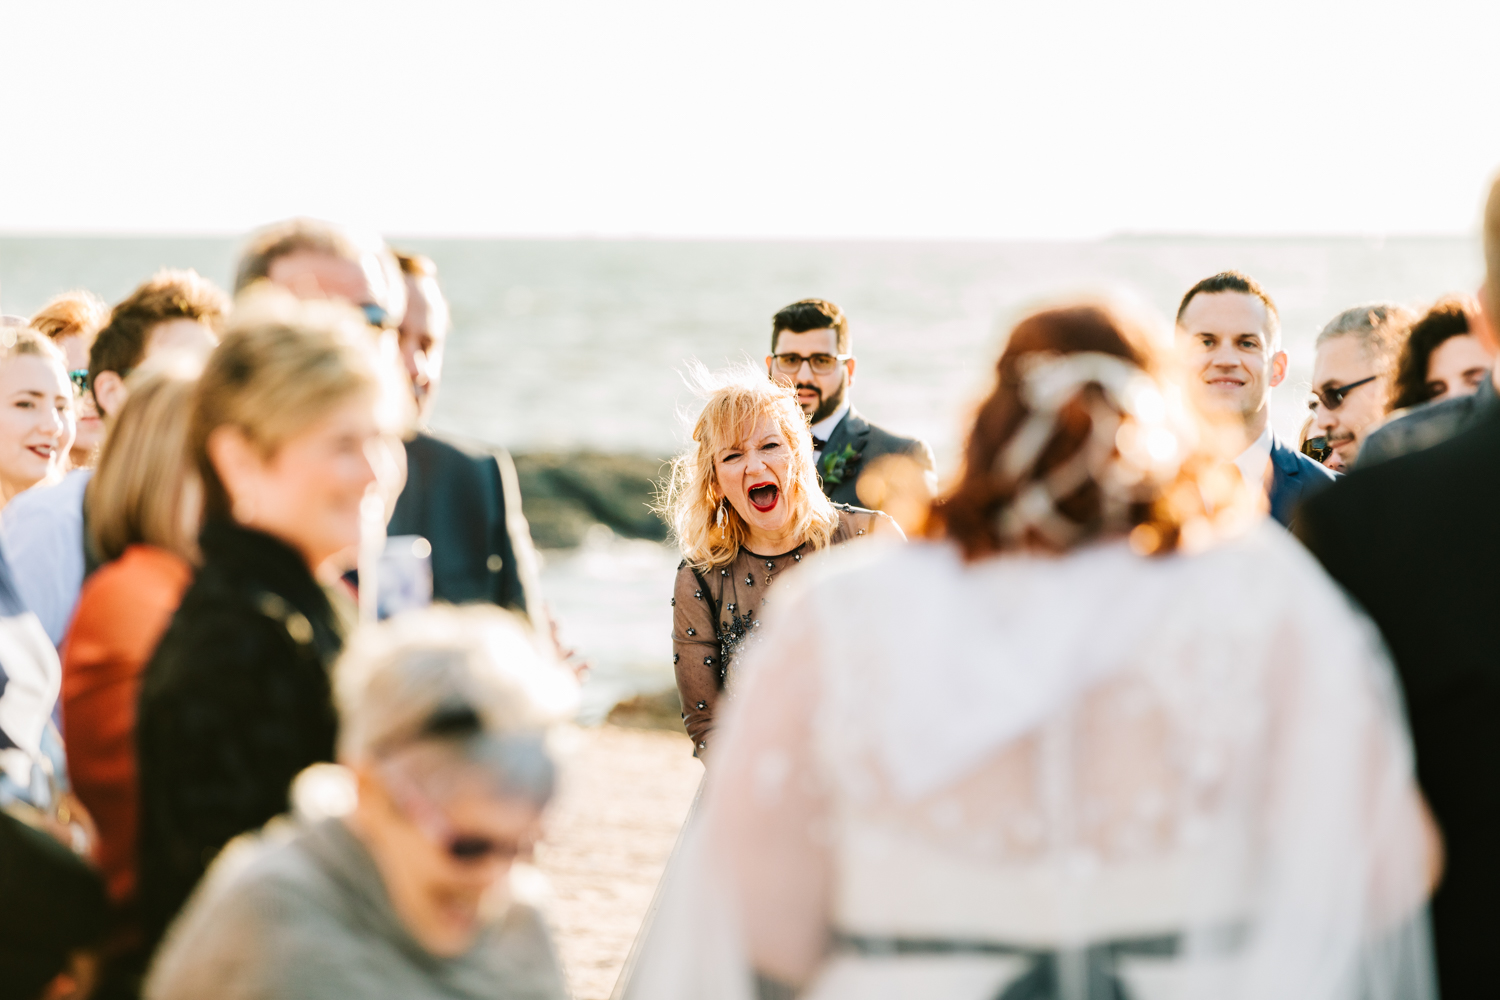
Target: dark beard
x,y
827,407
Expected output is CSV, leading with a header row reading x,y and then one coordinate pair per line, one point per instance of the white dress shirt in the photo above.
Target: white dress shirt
x,y
1254,459
823,428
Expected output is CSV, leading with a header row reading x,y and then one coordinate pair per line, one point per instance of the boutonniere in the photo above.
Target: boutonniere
x,y
838,466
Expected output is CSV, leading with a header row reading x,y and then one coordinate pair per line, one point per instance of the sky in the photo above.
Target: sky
x,y
807,120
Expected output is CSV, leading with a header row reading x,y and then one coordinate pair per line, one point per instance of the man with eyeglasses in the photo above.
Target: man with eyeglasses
x,y
463,500
810,350
1356,355
1229,333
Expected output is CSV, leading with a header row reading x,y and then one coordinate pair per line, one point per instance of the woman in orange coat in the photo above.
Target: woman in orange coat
x,y
143,511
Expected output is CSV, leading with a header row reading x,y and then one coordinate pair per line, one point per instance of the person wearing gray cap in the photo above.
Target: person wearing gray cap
x,y
444,718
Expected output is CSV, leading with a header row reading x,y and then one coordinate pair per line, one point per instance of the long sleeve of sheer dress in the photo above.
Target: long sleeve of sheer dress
x,y
696,657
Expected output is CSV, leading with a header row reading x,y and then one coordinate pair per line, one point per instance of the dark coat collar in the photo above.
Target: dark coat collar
x,y
256,561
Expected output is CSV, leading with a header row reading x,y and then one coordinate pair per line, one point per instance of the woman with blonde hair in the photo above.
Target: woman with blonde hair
x,y
1107,732
745,506
36,411
144,506
287,429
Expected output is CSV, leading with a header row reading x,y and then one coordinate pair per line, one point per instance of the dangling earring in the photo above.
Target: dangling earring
x,y
719,518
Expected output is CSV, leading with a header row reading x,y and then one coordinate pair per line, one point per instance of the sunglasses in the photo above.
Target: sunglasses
x,y
1317,448
463,848
377,316
80,379
821,364
1333,397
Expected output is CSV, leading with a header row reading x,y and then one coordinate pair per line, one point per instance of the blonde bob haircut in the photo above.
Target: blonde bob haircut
x,y
282,366
735,401
146,489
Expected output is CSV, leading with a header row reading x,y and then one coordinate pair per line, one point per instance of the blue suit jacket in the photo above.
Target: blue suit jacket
x,y
1294,478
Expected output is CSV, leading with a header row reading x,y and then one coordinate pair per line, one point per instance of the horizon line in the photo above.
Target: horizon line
x,y
1137,235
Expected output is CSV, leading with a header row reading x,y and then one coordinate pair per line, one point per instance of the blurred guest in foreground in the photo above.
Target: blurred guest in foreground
x,y
1230,335
286,417
72,321
171,313
745,506
1352,372
444,717
1416,541
1443,382
465,500
811,351
52,917
935,783
144,510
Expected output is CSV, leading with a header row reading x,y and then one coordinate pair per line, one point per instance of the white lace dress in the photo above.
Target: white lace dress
x,y
1092,776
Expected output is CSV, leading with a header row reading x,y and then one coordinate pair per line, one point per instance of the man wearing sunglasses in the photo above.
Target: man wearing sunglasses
x,y
1416,542
1356,355
463,500
1229,332
810,350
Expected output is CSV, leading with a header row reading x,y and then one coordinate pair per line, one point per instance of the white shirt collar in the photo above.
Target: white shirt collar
x,y
823,428
1252,461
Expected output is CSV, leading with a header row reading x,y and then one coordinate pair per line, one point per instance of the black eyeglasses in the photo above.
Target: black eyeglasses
x,y
821,364
80,379
1318,449
1333,397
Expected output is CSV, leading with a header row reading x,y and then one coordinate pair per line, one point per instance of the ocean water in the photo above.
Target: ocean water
x,y
579,344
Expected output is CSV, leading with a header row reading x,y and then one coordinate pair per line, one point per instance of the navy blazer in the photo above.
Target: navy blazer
x,y
464,500
1295,478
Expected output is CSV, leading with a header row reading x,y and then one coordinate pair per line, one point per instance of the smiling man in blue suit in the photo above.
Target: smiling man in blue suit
x,y
1230,336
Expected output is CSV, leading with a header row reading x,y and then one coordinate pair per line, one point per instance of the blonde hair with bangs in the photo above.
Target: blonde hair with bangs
x,y
736,400
147,489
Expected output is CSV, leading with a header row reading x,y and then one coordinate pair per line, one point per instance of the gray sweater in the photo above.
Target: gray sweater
x,y
307,918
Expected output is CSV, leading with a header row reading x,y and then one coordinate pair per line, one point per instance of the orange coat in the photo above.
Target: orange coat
x,y
123,610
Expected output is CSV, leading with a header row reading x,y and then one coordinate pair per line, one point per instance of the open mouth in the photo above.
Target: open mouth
x,y
763,496
42,451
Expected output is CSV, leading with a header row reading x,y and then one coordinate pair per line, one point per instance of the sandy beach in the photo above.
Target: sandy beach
x,y
624,797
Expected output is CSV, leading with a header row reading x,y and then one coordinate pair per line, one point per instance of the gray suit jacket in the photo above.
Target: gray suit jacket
x,y
853,445
1419,427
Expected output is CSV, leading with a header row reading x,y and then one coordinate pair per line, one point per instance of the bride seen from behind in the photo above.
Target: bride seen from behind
x,y
1105,733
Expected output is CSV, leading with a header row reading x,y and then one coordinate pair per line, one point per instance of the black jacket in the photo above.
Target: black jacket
x,y
465,503
853,445
234,703
1416,541
1425,425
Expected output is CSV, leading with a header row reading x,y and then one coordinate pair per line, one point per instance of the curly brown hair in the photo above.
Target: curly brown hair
x,y
1202,492
1444,321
